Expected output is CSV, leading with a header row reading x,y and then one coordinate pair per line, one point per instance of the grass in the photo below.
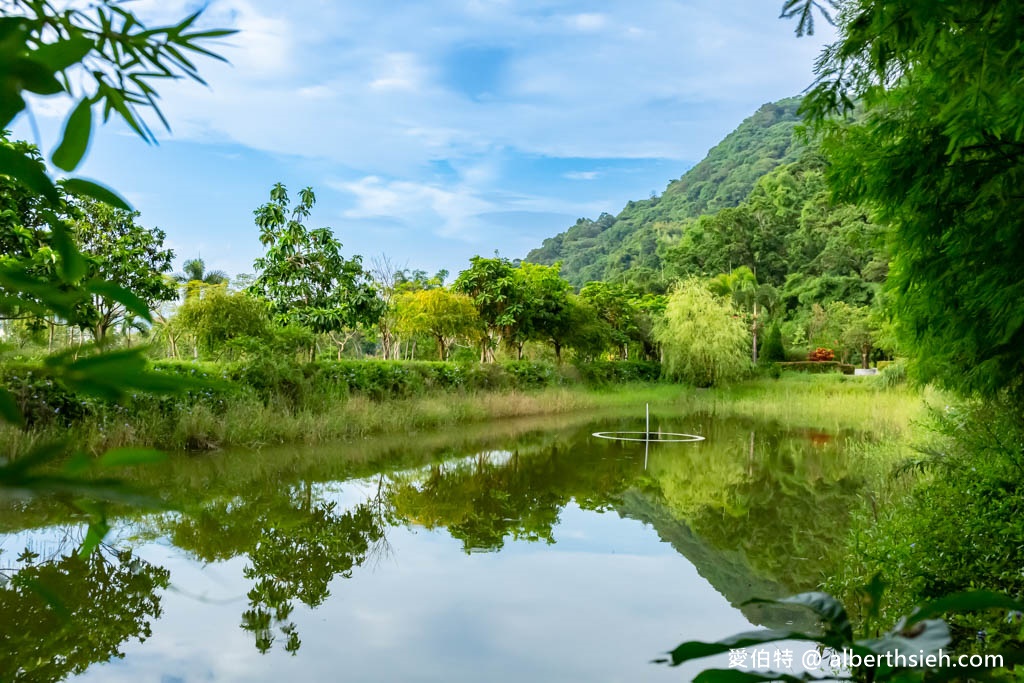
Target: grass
x,y
825,402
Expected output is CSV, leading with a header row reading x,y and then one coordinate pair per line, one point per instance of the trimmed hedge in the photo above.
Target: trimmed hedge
x,y
310,386
818,366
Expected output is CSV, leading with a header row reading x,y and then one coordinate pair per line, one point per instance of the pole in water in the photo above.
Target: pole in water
x,y
647,436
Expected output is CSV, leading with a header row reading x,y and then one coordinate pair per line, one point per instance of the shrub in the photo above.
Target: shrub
x,y
816,367
893,374
821,354
772,350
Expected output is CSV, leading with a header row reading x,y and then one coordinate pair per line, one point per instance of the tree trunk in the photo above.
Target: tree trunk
x,y
753,329
558,353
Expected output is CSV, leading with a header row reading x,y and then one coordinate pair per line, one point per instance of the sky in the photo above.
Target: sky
x,y
436,130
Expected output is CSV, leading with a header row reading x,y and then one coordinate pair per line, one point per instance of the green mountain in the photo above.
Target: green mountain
x,y
606,248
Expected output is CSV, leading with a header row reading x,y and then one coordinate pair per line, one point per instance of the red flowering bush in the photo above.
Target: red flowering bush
x,y
820,354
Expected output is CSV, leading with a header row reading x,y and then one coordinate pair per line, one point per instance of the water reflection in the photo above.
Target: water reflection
x,y
753,510
64,613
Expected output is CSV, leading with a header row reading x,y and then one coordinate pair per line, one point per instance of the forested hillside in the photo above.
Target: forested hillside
x,y
608,247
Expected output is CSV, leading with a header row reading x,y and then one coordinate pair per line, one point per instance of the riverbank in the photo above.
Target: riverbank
x,y
246,420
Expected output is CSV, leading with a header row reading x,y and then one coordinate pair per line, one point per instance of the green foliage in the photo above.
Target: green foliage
x,y
773,351
97,55
920,633
194,277
817,366
219,317
956,526
103,56
120,251
937,152
892,374
625,247
303,274
63,615
496,290
704,341
446,316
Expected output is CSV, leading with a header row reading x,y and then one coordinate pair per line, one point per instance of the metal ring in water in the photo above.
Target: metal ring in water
x,y
623,436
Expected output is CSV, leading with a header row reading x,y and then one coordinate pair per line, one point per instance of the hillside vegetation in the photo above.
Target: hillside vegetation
x,y
608,247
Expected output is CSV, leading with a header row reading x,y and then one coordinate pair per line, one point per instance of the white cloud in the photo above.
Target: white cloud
x,y
454,211
340,82
399,71
582,175
587,22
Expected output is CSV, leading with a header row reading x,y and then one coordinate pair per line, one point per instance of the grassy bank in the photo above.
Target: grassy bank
x,y
248,419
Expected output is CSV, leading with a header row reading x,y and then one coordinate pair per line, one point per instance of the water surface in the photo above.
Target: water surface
x,y
524,550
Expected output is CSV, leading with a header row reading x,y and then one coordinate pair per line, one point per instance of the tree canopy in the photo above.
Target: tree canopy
x,y
935,148
303,275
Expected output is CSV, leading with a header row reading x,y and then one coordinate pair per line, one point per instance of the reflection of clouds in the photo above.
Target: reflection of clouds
x,y
580,610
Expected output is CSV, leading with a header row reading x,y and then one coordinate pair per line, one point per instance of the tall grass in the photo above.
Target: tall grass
x,y
826,402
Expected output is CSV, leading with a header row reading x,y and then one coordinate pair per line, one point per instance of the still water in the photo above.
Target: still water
x,y
522,550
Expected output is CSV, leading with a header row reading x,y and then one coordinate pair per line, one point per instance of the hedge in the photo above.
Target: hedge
x,y
818,366
310,386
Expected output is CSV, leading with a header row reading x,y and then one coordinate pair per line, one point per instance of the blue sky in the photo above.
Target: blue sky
x,y
436,130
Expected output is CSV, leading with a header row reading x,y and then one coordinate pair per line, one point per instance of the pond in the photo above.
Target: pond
x,y
521,550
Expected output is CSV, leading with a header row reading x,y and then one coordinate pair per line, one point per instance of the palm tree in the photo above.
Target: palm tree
x,y
741,286
195,276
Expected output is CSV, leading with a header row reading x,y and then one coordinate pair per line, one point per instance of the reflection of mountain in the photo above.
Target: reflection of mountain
x,y
728,571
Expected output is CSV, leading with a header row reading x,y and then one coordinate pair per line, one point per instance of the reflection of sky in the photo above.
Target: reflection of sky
x,y
596,606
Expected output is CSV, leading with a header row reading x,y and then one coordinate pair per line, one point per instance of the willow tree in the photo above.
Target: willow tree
x,y
443,315
703,338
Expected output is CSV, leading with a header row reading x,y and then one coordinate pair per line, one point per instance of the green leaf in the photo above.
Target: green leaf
x,y
72,264
64,53
929,636
697,649
824,605
75,142
130,300
126,457
9,411
28,172
87,188
49,597
968,601
34,76
19,469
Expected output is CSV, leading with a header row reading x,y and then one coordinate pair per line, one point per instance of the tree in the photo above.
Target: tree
x,y
546,315
936,150
614,304
497,292
103,56
303,275
121,251
703,337
439,313
194,276
773,351
220,317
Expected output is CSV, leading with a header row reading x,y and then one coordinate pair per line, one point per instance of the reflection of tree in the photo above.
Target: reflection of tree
x,y
298,563
482,501
296,543
61,616
780,500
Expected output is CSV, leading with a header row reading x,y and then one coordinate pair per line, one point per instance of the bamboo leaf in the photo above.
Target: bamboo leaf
x,y
75,142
